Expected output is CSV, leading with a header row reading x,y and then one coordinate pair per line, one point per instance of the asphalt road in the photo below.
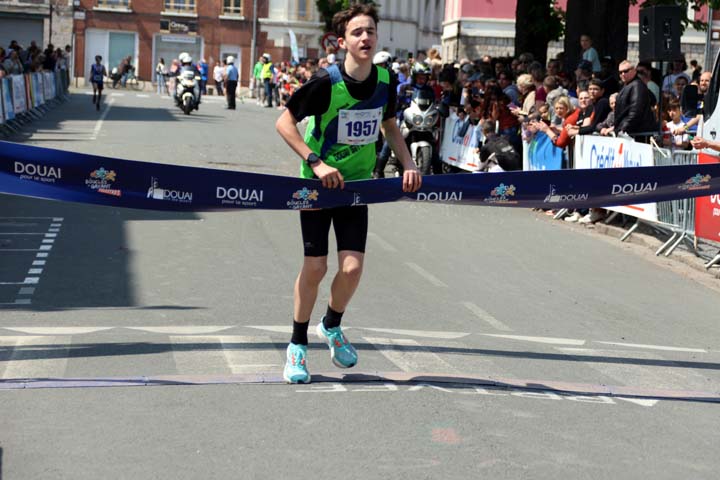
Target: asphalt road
x,y
493,342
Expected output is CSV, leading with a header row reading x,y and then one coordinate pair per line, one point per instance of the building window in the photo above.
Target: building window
x,y
233,7
125,4
183,6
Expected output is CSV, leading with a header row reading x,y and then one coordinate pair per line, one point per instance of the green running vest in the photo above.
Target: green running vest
x,y
355,162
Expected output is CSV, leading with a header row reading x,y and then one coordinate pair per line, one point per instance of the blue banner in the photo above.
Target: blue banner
x,y
543,154
76,177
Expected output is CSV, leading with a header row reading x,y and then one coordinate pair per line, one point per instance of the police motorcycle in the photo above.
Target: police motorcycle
x,y
187,90
420,124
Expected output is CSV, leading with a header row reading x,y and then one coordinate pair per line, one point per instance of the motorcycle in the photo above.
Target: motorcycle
x,y
419,128
185,95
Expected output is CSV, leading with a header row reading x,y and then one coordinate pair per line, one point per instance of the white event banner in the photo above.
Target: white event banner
x,y
460,139
593,151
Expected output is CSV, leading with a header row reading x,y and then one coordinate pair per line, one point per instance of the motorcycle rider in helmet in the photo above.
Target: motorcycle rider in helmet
x,y
186,64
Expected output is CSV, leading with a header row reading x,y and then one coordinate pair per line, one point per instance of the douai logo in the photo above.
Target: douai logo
x,y
715,199
41,173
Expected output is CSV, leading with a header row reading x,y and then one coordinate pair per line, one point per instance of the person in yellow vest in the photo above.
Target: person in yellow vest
x,y
347,104
267,73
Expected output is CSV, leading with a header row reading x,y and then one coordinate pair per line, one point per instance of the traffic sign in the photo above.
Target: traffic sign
x,y
330,39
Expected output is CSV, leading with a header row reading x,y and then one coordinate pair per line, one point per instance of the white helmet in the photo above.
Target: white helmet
x,y
267,56
230,59
183,56
381,57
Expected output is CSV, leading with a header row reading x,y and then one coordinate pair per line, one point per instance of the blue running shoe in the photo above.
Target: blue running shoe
x,y
342,354
296,364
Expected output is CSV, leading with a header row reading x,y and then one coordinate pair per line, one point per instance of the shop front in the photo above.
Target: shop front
x,y
112,46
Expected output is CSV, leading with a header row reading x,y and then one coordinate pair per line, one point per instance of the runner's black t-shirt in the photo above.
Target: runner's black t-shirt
x,y
313,98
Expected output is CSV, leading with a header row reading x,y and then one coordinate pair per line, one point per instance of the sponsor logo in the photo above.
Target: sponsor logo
x,y
698,182
157,193
102,180
39,173
633,188
554,197
239,196
110,191
605,156
502,194
303,198
439,197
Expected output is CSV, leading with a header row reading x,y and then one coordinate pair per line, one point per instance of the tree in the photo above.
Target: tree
x,y
545,25
328,8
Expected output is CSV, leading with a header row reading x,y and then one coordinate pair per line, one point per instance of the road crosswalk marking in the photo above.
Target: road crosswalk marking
x,y
417,358
35,357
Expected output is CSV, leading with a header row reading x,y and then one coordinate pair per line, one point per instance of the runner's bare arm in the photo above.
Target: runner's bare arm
x,y
286,126
412,180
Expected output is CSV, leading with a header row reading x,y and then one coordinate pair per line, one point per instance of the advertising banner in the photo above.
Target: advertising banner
x,y
37,89
592,151
707,209
76,177
48,85
7,101
543,154
460,139
19,98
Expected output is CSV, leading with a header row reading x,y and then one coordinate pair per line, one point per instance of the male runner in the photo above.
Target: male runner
x,y
97,76
346,103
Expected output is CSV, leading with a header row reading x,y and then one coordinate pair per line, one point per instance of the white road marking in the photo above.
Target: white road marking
x,y
48,240
418,359
426,275
41,255
117,94
655,347
548,340
45,247
50,235
55,331
35,271
245,360
99,123
20,233
26,291
380,241
183,330
636,369
199,360
38,263
418,333
639,401
486,317
22,301
275,328
142,95
26,360
57,219
31,280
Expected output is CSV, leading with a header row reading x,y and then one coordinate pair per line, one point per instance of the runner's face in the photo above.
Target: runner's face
x,y
360,38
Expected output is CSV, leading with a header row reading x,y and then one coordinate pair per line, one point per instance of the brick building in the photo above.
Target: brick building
x,y
148,30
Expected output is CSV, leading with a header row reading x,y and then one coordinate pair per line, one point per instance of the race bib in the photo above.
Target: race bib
x,y
359,127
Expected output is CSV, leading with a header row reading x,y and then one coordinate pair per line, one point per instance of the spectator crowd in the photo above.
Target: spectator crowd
x,y
17,60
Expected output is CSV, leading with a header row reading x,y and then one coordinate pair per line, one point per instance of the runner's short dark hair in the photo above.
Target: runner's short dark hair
x,y
341,19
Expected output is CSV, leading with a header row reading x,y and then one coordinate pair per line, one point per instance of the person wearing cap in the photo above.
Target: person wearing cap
x,y
267,73
231,81
589,53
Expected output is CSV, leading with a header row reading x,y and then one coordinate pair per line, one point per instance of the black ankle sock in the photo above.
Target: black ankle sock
x,y
332,318
299,335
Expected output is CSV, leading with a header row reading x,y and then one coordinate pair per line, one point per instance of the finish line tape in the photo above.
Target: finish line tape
x,y
76,177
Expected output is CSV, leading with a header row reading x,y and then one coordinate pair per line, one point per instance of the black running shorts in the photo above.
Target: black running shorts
x,y
350,224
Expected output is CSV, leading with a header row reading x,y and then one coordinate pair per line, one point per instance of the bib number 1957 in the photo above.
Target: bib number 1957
x,y
359,127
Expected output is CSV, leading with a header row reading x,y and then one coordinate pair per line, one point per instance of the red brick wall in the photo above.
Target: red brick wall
x,y
145,20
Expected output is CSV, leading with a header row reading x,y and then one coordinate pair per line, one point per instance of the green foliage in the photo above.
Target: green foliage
x,y
551,27
684,4
328,8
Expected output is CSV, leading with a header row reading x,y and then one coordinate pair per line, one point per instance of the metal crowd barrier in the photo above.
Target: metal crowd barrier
x,y
27,97
678,215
